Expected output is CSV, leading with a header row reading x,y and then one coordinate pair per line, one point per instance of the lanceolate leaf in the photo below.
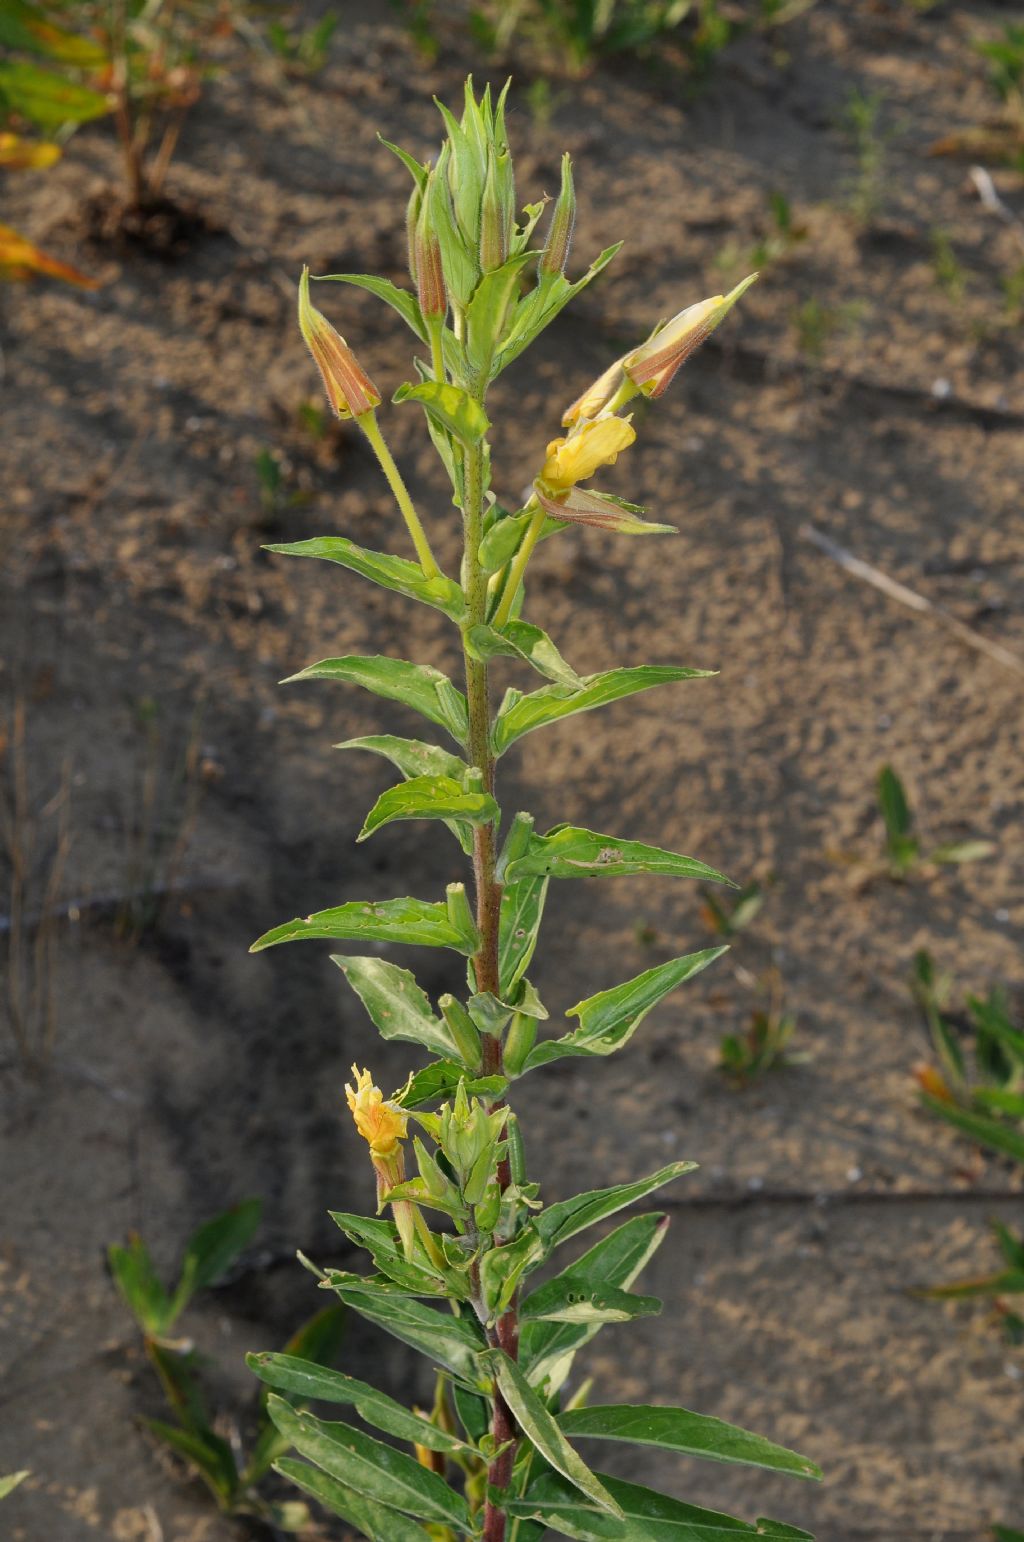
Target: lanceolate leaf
x,y
543,304
440,1080
400,300
547,1348
381,568
22,259
48,99
209,1454
397,1006
450,406
419,686
429,797
418,1274
27,27
518,639
214,1247
691,1434
647,1516
557,1223
997,1134
375,1521
136,1279
569,1299
308,1382
369,1466
450,1341
570,852
610,1019
522,907
398,920
539,1427
9,1482
411,756
519,715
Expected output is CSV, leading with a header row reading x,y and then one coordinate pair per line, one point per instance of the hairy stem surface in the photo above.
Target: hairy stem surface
x,y
505,1334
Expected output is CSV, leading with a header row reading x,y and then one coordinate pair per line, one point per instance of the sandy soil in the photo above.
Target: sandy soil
x,y
187,1075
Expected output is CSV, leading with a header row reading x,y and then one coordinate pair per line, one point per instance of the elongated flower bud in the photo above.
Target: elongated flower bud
x,y
412,215
349,388
429,272
494,232
559,239
652,366
596,397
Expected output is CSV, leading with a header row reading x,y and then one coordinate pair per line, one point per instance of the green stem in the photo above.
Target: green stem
x,y
519,565
435,325
368,423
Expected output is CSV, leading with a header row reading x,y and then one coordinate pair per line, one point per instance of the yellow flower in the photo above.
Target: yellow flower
x,y
382,1125
596,397
652,366
349,388
593,444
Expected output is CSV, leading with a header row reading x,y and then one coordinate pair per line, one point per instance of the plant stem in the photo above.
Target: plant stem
x,y
368,423
505,1333
518,568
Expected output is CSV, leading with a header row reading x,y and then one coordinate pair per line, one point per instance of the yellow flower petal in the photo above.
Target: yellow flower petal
x,y
382,1125
594,444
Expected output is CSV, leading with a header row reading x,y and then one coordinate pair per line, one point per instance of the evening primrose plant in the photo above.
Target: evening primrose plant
x,y
461,1230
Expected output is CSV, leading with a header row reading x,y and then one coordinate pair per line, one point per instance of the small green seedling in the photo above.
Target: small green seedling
x,y
903,849
765,1044
208,1256
948,269
861,121
727,917
303,50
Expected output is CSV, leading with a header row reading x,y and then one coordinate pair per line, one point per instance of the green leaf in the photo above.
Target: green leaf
x,y
691,1434
570,1299
488,309
375,1521
136,1279
419,686
46,99
418,1275
399,920
547,1349
501,1268
453,1342
429,797
502,540
450,406
414,758
415,168
539,1427
1008,1282
411,756
518,639
646,1516
306,1381
370,1467
557,1223
9,1482
440,1080
214,1247
522,908
398,1008
540,307
519,714
211,1456
570,852
315,1343
400,300
381,568
609,1020
27,27
994,1133
176,1365
892,800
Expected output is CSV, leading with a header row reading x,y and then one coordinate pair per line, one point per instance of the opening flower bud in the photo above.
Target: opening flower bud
x,y
349,388
559,239
576,458
652,366
596,397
